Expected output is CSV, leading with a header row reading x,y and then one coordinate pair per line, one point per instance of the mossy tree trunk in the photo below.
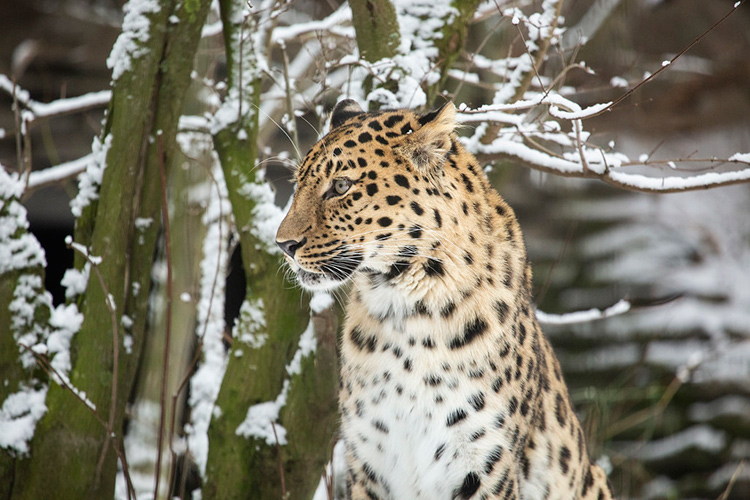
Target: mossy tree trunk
x,y
24,313
376,25
72,455
451,43
248,467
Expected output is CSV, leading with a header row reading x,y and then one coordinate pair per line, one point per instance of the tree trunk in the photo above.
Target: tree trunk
x,y
24,313
142,121
241,467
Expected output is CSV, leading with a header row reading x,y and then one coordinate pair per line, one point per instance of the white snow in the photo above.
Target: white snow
x,y
729,406
335,471
699,437
307,345
29,296
69,104
267,216
261,420
621,307
136,26
18,417
678,183
251,324
90,180
59,172
579,113
740,157
320,301
619,82
205,384
66,321
75,281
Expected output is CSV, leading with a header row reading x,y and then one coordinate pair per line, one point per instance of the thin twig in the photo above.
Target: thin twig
x,y
647,413
284,494
725,494
292,123
17,118
168,312
112,307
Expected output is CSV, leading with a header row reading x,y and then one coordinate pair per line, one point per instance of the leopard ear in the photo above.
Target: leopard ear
x,y
428,145
343,111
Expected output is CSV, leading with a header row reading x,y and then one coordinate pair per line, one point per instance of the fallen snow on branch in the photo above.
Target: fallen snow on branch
x,y
60,172
740,157
579,113
711,179
331,25
621,307
69,105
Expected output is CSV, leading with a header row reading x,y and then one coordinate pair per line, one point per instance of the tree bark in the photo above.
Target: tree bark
x,y
376,25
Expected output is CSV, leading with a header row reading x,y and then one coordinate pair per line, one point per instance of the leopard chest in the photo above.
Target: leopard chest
x,y
418,413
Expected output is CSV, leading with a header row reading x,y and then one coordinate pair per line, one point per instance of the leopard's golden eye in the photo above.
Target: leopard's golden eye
x,y
341,186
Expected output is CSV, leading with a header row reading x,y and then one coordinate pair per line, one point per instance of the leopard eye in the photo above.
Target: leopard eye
x,y
341,186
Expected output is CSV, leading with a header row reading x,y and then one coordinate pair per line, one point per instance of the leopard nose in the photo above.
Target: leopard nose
x,y
290,246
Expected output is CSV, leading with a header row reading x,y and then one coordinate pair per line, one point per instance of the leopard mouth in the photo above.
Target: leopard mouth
x,y
333,273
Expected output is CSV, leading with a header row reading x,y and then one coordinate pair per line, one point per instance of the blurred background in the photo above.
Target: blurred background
x,y
664,390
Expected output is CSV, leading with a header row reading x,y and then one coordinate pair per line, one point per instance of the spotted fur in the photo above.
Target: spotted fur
x,y
449,389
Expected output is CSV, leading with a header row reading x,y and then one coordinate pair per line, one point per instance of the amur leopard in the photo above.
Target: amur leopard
x,y
449,389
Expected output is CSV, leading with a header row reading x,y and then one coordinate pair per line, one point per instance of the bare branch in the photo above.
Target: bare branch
x,y
168,313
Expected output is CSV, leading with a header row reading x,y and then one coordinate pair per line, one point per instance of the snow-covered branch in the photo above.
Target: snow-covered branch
x,y
621,307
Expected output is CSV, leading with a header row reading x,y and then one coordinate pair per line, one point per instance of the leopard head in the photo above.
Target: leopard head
x,y
366,194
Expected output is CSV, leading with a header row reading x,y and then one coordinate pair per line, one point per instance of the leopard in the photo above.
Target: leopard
x,y
448,387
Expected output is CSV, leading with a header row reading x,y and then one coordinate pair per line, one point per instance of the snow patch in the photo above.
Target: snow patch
x,y
320,301
251,324
66,321
136,26
18,418
75,281
90,180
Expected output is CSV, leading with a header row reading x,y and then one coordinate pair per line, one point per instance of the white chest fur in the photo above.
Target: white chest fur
x,y
413,411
